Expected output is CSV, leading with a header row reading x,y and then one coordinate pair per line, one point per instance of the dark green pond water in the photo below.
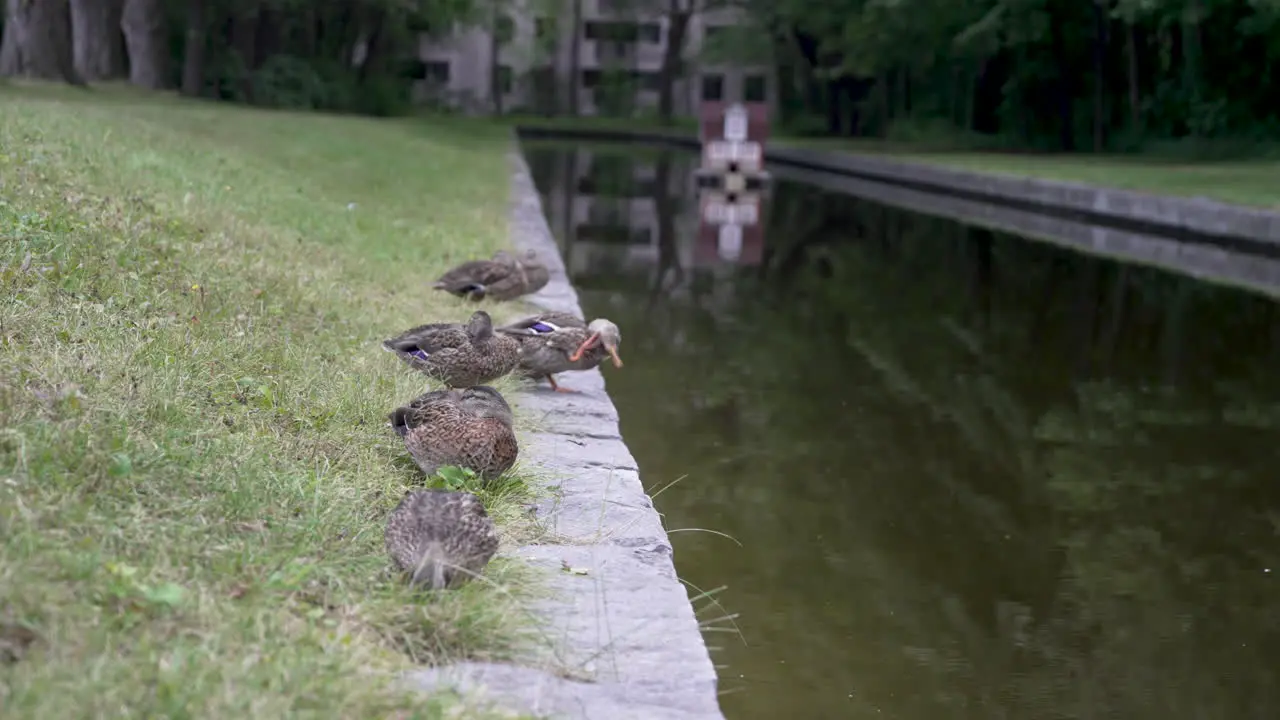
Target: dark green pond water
x,y
968,475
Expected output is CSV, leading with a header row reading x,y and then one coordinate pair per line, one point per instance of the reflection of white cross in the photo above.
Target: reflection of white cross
x,y
727,151
729,245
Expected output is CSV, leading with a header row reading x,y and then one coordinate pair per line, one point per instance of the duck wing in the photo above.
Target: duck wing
x,y
543,323
429,338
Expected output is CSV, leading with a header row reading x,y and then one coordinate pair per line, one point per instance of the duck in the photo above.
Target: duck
x,y
502,277
458,355
440,538
553,342
470,428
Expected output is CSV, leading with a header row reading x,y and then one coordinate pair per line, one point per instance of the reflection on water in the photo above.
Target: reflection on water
x,y
973,476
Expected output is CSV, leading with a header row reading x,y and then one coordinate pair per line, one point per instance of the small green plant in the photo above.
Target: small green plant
x,y
126,592
452,477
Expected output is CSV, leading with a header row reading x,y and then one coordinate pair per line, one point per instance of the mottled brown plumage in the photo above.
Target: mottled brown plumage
x,y
555,342
470,428
440,537
458,355
502,277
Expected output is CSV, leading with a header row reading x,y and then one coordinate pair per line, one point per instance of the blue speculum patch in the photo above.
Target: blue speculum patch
x,y
542,328
418,353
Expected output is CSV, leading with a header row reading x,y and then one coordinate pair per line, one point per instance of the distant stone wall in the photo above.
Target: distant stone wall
x,y
1132,211
1204,261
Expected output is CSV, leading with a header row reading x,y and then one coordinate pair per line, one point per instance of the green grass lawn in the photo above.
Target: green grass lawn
x,y
195,469
1244,182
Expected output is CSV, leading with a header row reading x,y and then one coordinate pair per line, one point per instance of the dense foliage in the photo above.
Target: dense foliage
x,y
1050,74
1041,74
346,55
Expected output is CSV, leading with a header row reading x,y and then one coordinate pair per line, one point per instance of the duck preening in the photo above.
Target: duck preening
x,y
470,428
555,342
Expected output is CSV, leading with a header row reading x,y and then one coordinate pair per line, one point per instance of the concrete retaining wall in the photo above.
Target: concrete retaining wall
x,y
626,622
1185,219
1206,262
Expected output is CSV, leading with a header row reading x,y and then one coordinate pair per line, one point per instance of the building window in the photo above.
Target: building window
x,y
651,81
504,29
755,89
713,88
614,52
590,79
621,31
545,27
506,79
437,71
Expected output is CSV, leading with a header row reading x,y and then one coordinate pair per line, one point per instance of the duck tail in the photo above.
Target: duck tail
x,y
429,570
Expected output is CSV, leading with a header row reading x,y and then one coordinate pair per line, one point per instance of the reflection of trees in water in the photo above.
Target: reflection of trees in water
x,y
1099,438
668,250
1096,439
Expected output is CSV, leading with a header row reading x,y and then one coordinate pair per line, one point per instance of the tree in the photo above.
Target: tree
x,y
146,37
193,60
673,66
98,47
37,41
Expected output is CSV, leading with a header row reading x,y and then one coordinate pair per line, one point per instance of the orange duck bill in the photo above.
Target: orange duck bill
x,y
591,342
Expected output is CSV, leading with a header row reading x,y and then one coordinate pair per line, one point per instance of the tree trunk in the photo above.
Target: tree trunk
x,y
1135,95
1099,75
971,96
269,39
147,42
672,61
243,41
375,48
1065,101
194,52
1192,57
575,58
37,41
97,46
902,97
495,60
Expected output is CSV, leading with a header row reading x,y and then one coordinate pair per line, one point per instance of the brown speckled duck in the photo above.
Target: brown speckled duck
x,y
553,342
458,355
469,428
440,537
502,277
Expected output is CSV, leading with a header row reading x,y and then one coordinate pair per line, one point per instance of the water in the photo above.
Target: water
x,y
972,476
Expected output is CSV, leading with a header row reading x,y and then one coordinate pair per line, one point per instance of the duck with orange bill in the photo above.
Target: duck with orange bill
x,y
555,342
